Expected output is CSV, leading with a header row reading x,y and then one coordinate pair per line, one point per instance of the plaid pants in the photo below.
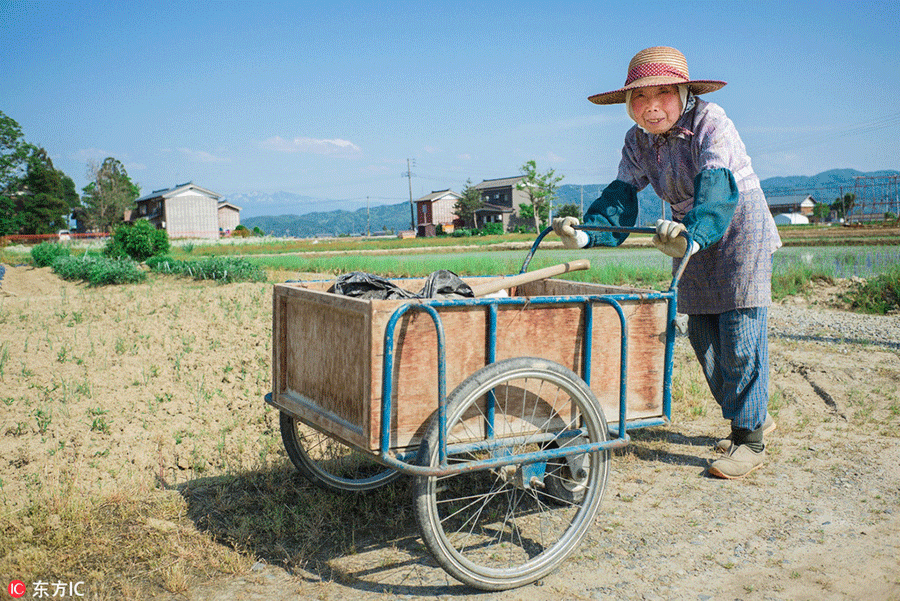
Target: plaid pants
x,y
733,350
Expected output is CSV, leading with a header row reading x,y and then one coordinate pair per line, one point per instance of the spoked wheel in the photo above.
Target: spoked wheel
x,y
330,463
505,527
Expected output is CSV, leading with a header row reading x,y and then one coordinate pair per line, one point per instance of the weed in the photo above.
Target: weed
x,y
224,270
878,295
4,358
43,417
100,425
84,388
19,429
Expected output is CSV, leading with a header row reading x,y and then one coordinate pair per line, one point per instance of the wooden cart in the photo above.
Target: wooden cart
x,y
510,466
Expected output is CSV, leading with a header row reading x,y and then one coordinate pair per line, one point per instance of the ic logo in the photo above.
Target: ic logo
x,y
16,589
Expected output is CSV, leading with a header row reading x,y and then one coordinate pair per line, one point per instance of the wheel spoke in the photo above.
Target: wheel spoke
x,y
329,463
510,525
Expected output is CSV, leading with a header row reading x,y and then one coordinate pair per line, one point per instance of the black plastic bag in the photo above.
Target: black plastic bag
x,y
366,285
440,283
445,283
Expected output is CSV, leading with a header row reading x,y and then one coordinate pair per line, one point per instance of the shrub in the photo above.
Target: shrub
x,y
229,269
461,233
221,269
165,264
491,229
139,242
877,295
45,253
99,271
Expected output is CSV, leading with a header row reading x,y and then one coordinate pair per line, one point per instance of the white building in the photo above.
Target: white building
x,y
791,219
186,211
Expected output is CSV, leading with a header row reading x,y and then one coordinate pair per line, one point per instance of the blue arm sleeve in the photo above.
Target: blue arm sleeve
x,y
715,199
616,207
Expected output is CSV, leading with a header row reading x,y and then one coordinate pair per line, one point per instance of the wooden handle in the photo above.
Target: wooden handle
x,y
531,276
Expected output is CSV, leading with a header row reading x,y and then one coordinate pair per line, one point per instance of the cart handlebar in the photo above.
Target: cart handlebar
x,y
623,230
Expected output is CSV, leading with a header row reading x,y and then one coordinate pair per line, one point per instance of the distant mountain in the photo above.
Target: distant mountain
x,y
254,204
297,215
377,219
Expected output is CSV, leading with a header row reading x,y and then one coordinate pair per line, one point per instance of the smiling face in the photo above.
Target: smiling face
x,y
656,108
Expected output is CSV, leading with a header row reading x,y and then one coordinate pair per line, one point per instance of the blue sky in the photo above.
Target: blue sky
x,y
330,99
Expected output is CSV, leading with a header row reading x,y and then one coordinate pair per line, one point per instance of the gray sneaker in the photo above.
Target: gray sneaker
x,y
724,445
737,463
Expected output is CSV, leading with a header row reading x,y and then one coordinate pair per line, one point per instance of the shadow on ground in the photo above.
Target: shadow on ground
x,y
279,518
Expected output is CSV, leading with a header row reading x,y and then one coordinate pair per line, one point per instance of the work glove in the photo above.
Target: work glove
x,y
668,240
571,238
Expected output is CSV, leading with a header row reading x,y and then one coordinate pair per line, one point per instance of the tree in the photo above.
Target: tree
x,y
35,198
843,206
108,196
13,154
45,197
821,211
568,210
13,165
467,206
541,190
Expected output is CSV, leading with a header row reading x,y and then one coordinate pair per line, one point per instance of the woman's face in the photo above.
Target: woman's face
x,y
656,108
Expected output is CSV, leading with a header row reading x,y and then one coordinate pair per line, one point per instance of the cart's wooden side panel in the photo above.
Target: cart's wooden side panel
x,y
415,372
646,323
322,359
466,337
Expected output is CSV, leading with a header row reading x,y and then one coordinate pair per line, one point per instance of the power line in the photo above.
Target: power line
x,y
822,137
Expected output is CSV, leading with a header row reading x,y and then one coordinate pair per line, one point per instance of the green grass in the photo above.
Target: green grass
x,y
259,246
221,269
877,295
795,269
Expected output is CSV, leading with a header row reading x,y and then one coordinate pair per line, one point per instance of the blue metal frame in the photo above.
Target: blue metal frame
x,y
404,461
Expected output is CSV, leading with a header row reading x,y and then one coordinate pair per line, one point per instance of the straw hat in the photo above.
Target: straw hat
x,y
657,66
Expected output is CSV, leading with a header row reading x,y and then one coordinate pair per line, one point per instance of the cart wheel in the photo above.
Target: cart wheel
x,y
502,528
330,463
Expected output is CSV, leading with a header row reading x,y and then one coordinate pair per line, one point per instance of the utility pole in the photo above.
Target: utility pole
x,y
412,208
368,219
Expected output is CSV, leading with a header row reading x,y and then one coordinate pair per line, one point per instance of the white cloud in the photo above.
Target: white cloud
x,y
91,154
201,156
432,149
464,157
555,158
336,146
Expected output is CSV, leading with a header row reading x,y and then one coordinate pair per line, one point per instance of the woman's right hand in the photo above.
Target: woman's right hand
x,y
562,227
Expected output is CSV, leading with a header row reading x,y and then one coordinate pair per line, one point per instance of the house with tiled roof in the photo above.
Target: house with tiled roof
x,y
501,202
187,211
436,210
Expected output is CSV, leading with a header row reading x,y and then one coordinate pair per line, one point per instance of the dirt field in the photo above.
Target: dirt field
x,y
158,388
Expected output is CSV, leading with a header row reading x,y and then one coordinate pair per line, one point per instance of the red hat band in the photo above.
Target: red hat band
x,y
654,70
